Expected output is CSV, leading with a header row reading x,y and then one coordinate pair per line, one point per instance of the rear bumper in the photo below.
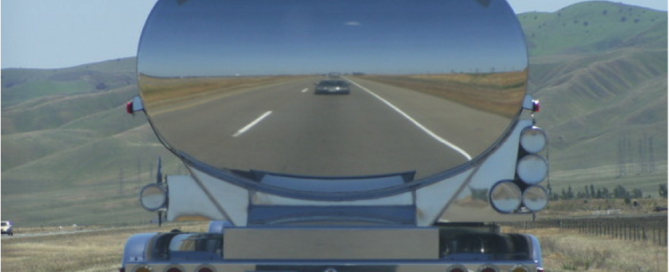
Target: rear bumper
x,y
337,266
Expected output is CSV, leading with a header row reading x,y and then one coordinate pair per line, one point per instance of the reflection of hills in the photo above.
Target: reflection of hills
x,y
165,91
498,93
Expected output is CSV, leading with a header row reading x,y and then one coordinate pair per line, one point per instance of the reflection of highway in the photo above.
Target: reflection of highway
x,y
286,128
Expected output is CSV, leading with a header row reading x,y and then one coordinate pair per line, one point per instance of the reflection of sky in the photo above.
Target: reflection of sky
x,y
251,37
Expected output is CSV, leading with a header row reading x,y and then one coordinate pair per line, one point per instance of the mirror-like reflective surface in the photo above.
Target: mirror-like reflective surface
x,y
429,85
535,198
506,196
153,197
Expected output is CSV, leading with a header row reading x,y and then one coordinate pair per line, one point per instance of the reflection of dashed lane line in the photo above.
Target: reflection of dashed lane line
x,y
419,125
257,120
250,125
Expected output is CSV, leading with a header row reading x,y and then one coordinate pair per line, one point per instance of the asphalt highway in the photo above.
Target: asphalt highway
x,y
286,128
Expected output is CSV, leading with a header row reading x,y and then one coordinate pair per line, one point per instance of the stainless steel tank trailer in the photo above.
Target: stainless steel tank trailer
x,y
433,145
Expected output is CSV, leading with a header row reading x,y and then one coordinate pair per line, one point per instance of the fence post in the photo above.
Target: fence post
x,y
599,227
625,232
615,230
654,237
607,230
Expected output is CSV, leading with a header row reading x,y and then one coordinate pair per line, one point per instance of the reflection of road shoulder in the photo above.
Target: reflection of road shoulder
x,y
412,120
472,130
215,91
497,93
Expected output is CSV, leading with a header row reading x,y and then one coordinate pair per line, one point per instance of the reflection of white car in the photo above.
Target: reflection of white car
x,y
7,228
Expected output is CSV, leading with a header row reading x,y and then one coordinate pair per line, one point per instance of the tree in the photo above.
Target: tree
x,y
570,193
563,195
593,193
620,192
605,193
663,190
587,192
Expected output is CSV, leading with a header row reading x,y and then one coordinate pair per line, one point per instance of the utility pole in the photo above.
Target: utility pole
x,y
139,173
651,155
120,187
621,157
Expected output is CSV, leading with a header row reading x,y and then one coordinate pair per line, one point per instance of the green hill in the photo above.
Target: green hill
x,y
593,26
69,148
600,69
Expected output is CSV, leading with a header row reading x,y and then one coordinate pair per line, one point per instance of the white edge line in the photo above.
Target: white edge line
x,y
419,125
305,90
250,125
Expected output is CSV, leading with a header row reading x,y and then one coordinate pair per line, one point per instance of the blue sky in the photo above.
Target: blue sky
x,y
64,33
354,36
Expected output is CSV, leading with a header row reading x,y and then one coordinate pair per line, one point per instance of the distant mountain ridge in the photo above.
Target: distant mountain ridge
x,y
593,26
72,155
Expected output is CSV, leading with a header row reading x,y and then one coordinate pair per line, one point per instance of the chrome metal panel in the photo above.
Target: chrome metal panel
x,y
261,198
536,250
471,203
396,215
431,200
187,200
136,247
331,244
434,84
335,185
230,200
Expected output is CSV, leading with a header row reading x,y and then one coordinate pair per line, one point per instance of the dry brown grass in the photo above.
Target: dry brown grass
x,y
568,250
161,92
563,250
585,207
68,250
498,93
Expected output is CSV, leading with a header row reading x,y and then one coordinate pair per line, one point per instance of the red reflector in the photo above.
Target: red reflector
x,y
128,107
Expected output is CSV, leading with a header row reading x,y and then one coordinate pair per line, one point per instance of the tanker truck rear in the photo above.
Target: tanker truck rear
x,y
433,146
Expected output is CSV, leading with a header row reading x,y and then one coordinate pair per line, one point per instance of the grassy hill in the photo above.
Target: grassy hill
x,y
72,155
70,152
600,69
593,26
